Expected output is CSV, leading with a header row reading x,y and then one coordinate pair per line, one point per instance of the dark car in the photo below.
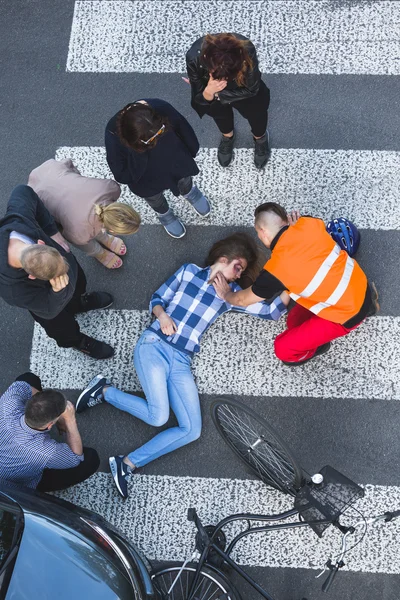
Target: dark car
x,y
51,549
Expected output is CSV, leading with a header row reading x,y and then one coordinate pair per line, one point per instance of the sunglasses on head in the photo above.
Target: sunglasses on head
x,y
153,137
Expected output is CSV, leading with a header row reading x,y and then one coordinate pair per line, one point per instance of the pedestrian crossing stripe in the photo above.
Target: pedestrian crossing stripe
x,y
362,185
154,518
236,357
291,36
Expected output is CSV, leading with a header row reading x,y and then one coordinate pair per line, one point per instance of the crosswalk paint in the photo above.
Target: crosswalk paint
x,y
161,530
236,357
361,185
291,36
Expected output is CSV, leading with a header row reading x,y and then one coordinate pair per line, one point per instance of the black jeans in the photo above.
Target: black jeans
x,y
59,479
254,110
159,203
64,328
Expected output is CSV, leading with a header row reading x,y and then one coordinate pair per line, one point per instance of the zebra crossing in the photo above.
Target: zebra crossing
x,y
363,185
292,37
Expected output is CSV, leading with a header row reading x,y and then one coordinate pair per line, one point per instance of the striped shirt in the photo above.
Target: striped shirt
x,y
193,304
25,452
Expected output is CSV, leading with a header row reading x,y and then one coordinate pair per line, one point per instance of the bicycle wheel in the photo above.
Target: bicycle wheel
x,y
211,585
257,445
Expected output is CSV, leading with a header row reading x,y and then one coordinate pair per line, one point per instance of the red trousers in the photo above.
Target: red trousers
x,y
305,332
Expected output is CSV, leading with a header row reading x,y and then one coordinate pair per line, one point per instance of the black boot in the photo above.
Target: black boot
x,y
225,150
262,151
320,350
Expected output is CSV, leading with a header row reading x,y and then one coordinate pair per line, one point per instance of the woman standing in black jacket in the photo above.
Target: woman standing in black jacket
x,y
151,147
223,74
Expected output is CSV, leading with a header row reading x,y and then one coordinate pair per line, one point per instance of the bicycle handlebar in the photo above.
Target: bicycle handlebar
x,y
329,580
394,514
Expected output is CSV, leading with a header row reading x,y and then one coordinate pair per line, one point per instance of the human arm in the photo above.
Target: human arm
x,y
61,241
161,299
163,296
265,287
66,423
271,311
120,162
167,324
24,201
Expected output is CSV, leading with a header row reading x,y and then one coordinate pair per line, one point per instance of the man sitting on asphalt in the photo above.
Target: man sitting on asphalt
x,y
38,272
28,455
330,289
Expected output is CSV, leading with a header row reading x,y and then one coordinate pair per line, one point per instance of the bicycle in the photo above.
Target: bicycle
x,y
319,501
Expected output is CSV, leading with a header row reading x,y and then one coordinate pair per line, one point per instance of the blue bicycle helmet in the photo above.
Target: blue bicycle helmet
x,y
345,233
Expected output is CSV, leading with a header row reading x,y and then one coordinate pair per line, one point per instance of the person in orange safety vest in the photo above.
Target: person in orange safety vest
x,y
331,291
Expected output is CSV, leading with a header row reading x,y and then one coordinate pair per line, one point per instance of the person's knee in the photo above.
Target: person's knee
x,y
194,432
91,459
159,418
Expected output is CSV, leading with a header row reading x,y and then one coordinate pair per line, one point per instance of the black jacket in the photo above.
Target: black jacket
x,y
199,76
27,214
161,167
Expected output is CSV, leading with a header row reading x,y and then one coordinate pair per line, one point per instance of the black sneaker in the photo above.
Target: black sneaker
x,y
262,151
120,474
92,394
225,150
94,348
95,300
320,350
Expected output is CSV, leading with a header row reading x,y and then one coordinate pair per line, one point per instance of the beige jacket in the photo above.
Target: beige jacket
x,y
70,198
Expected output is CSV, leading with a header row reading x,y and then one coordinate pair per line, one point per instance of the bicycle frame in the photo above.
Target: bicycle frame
x,y
225,555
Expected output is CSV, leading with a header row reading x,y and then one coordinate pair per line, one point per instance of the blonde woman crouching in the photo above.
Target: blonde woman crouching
x,y
87,210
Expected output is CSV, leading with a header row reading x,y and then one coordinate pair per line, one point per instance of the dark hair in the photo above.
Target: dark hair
x,y
272,207
44,407
237,245
226,57
137,122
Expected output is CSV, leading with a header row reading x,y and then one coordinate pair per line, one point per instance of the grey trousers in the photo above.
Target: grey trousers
x,y
159,203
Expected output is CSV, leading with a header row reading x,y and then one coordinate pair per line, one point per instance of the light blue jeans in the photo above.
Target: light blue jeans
x,y
167,382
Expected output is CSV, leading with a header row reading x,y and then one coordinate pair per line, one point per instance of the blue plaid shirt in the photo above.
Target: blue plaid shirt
x,y
193,304
26,452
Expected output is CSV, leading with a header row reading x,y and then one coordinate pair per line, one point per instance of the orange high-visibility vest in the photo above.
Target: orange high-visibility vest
x,y
317,273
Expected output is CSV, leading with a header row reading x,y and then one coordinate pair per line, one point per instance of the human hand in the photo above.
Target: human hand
x,y
186,80
59,283
213,87
168,326
293,217
67,417
285,298
221,286
60,239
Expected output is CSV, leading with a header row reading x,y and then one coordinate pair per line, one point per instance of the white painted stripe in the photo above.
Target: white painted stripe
x,y
236,357
321,273
154,518
291,36
364,186
339,291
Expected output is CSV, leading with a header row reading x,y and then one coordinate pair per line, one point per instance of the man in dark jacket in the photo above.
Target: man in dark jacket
x,y
223,73
39,273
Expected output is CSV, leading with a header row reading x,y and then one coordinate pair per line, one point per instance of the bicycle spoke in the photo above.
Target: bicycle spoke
x,y
256,444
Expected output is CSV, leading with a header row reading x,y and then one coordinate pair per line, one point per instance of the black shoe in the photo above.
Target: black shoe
x,y
94,348
95,300
225,150
262,151
120,474
320,350
92,395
